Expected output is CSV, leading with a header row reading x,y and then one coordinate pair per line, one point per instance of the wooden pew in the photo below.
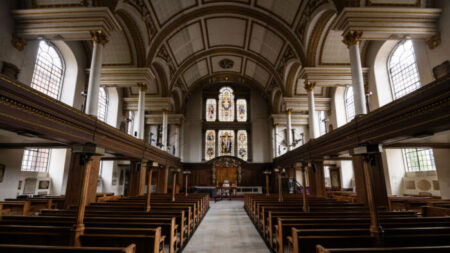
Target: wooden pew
x,y
420,249
14,248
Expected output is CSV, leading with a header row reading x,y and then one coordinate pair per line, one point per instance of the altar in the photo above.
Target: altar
x,y
240,190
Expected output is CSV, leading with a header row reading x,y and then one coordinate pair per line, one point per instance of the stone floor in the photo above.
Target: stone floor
x,y
226,228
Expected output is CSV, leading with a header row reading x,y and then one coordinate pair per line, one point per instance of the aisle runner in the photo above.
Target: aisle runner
x,y
226,228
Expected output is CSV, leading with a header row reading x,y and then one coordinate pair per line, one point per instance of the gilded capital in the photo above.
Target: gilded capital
x,y
352,38
99,37
18,43
142,86
434,41
309,86
288,111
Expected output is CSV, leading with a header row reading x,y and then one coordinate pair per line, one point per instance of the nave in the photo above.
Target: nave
x,y
226,228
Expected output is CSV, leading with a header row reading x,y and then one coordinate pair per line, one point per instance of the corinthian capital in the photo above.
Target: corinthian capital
x,y
99,37
309,86
352,38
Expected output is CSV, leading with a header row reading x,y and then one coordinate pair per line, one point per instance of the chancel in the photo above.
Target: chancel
x,y
204,126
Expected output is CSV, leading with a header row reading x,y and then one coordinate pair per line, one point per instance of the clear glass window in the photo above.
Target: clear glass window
x,y
35,159
102,104
419,159
48,70
403,70
349,104
322,122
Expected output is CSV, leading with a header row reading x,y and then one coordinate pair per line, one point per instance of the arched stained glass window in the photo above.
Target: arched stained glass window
x,y
241,110
48,71
211,109
226,142
226,104
349,104
242,144
403,70
210,144
102,104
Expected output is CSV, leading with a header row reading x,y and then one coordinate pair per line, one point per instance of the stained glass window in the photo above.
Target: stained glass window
x,y
211,109
403,69
48,70
210,144
226,104
226,142
242,147
241,110
349,104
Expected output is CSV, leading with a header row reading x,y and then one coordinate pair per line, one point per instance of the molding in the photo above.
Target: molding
x,y
300,104
157,119
153,104
329,76
64,23
378,23
280,119
125,77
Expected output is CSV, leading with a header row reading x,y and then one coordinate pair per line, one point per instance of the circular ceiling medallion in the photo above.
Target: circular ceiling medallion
x,y
226,63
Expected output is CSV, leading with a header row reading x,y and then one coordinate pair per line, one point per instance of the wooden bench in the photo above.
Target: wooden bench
x,y
420,249
15,248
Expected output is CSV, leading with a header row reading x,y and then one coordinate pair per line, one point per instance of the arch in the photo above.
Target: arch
x,y
162,75
69,85
229,9
277,101
291,78
138,42
226,51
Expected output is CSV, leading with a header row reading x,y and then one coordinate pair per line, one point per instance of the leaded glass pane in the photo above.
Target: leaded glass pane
x,y
241,110
48,70
242,145
211,109
35,159
102,104
226,104
210,144
419,159
349,104
403,70
226,142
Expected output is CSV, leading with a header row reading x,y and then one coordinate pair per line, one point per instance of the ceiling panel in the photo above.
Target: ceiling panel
x,y
286,9
237,63
334,51
226,31
117,50
186,42
195,72
257,72
165,9
265,42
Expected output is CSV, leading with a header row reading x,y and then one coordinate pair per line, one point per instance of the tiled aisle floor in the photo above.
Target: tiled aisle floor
x,y
226,228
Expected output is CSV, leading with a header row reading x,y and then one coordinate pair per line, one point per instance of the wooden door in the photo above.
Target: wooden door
x,y
229,174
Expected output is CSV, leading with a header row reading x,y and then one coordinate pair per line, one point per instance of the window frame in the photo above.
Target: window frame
x,y
106,105
388,68
63,68
406,164
34,156
345,104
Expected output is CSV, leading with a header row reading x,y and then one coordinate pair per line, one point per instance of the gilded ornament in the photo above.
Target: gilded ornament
x,y
142,86
352,38
309,86
18,43
99,37
434,41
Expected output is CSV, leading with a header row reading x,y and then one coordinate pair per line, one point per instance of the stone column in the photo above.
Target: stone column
x,y
141,111
177,140
99,40
313,127
352,40
165,114
289,129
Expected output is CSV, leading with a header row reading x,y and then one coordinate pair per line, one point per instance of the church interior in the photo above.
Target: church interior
x,y
207,126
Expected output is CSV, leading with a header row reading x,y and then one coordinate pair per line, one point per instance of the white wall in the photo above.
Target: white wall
x,y
12,159
261,127
347,174
192,128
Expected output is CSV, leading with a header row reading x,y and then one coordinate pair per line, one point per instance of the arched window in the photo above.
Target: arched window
x,y
130,122
48,71
226,104
349,104
322,122
102,104
403,71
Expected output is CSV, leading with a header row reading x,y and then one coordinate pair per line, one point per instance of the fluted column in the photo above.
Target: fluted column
x,y
164,129
352,40
312,119
289,129
99,40
141,111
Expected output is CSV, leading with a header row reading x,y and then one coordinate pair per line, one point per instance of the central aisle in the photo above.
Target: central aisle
x,y
226,228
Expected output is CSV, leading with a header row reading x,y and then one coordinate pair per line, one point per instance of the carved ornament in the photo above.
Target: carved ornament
x,y
99,37
352,38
